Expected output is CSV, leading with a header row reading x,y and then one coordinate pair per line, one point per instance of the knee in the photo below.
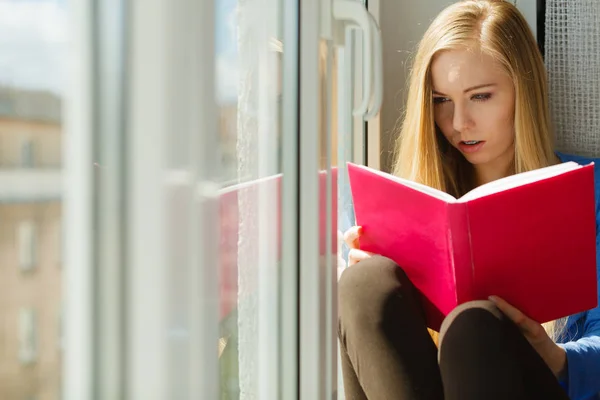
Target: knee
x,y
367,277
364,290
467,317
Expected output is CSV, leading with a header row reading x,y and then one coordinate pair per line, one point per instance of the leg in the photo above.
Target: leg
x,y
387,351
352,388
485,356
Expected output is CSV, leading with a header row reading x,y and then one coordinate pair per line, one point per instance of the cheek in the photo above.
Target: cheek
x,y
500,121
509,124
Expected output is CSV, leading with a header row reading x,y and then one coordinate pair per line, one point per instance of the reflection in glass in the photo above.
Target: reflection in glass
x,y
248,72
32,42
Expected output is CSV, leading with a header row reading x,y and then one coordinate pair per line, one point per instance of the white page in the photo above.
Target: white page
x,y
417,186
521,179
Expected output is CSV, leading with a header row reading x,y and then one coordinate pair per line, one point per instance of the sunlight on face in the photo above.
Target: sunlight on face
x,y
474,106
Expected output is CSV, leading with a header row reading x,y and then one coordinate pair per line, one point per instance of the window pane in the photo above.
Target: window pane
x,y
248,67
32,44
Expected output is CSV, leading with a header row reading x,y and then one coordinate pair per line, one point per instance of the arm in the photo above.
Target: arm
x,y
583,360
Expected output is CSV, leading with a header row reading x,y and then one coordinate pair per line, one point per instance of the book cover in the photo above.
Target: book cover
x,y
530,241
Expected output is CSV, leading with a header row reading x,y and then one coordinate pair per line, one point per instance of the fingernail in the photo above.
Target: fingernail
x,y
360,230
493,298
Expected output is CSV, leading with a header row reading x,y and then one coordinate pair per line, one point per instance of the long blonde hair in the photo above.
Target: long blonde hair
x,y
498,29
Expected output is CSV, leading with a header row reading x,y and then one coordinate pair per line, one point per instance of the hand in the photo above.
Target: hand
x,y
554,355
356,254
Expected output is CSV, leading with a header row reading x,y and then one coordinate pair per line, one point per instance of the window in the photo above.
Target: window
x,y
36,47
27,336
27,153
27,245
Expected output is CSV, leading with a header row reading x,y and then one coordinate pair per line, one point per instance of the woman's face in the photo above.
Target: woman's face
x,y
474,106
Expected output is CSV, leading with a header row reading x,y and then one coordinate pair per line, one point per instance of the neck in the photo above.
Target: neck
x,y
492,171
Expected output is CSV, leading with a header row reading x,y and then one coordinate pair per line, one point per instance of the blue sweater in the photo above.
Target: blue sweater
x,y
581,340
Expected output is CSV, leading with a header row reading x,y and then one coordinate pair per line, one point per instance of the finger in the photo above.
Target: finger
x,y
521,320
356,255
351,236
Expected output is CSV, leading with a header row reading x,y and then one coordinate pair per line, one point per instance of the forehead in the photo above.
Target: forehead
x,y
461,69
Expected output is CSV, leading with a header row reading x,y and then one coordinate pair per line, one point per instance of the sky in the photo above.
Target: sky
x,y
226,43
34,40
33,44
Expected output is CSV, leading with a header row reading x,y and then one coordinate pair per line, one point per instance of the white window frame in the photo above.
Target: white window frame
x,y
92,233
163,93
173,226
78,163
312,345
373,129
290,266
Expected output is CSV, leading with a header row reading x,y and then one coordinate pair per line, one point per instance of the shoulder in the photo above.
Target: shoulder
x,y
583,160
577,158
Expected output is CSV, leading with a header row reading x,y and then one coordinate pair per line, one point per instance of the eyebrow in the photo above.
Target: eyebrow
x,y
468,89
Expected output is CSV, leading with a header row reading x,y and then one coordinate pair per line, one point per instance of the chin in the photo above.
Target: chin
x,y
484,157
477,159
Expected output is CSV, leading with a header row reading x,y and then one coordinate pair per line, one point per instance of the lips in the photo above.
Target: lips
x,y
470,146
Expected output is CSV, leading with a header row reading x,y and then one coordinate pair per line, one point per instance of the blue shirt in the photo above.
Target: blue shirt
x,y
581,340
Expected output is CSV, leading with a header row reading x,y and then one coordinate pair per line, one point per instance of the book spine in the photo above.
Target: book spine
x,y
460,254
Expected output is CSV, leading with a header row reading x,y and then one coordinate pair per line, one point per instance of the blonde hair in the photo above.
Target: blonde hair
x,y
498,29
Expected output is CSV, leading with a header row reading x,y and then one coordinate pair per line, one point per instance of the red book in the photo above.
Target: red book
x,y
529,238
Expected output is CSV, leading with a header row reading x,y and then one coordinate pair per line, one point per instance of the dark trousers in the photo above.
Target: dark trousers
x,y
387,352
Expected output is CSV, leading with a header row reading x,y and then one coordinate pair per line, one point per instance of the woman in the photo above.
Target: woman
x,y
477,111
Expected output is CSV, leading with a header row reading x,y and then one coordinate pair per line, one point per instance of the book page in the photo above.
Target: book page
x,y
521,179
414,185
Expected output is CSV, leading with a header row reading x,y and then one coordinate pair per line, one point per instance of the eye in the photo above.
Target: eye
x,y
481,96
440,100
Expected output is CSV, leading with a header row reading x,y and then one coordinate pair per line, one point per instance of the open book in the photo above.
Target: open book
x,y
528,238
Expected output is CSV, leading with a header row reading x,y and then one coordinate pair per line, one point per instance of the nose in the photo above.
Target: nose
x,y
461,119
